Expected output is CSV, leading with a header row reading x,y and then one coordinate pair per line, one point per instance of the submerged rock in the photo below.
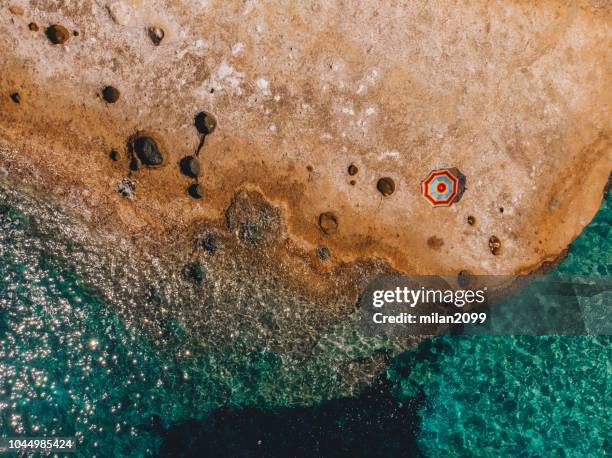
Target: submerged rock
x,y
194,272
252,218
210,243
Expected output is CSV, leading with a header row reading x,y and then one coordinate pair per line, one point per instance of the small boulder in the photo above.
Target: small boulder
x,y
205,123
57,34
386,186
156,34
110,94
190,166
328,223
147,151
495,245
196,191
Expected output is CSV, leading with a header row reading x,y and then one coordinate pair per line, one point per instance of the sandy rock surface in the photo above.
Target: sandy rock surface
x,y
516,95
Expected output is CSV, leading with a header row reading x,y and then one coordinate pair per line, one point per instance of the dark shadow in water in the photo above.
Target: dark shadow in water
x,y
372,425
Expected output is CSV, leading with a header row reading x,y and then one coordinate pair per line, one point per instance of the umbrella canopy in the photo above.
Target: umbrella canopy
x,y
443,187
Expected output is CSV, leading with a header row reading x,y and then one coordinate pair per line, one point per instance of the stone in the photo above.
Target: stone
x,y
190,166
495,245
114,155
57,34
196,191
205,123
386,186
110,94
146,150
352,170
328,223
156,34
471,220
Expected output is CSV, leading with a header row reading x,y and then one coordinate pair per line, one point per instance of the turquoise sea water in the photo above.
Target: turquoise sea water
x,y
519,396
69,365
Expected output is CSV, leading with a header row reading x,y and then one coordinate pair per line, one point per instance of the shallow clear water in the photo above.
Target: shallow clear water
x,y
70,364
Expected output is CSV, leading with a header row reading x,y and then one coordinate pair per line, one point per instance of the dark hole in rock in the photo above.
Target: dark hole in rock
x,y
386,186
196,191
75,33
435,243
205,123
114,155
494,245
194,272
353,182
146,150
156,34
134,164
33,26
328,223
501,209
252,218
323,253
190,166
110,94
309,168
210,243
57,34
15,97
471,220
352,170
212,90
